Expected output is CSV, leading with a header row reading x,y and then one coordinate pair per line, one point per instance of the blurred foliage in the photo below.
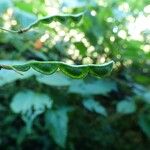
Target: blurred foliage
x,y
57,112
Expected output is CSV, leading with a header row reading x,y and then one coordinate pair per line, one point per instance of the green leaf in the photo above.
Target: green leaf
x,y
146,97
81,47
4,5
144,123
30,105
94,106
97,87
77,3
10,76
57,79
74,71
57,123
126,107
23,18
27,100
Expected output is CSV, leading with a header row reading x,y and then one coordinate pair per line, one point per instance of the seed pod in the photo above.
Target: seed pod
x,y
74,71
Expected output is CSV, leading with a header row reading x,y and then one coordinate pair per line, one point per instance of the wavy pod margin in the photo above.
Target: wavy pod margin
x,y
48,19
101,70
74,71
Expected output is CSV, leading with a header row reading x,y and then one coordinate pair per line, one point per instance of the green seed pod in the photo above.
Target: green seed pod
x,y
44,67
74,71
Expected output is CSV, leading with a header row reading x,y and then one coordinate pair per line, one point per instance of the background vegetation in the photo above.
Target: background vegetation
x,y
56,112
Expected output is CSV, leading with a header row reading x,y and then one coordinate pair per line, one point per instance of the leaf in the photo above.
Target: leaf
x,y
77,3
57,79
146,97
74,71
30,105
57,123
94,106
10,76
73,4
97,87
27,100
81,47
23,18
144,123
126,107
4,5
